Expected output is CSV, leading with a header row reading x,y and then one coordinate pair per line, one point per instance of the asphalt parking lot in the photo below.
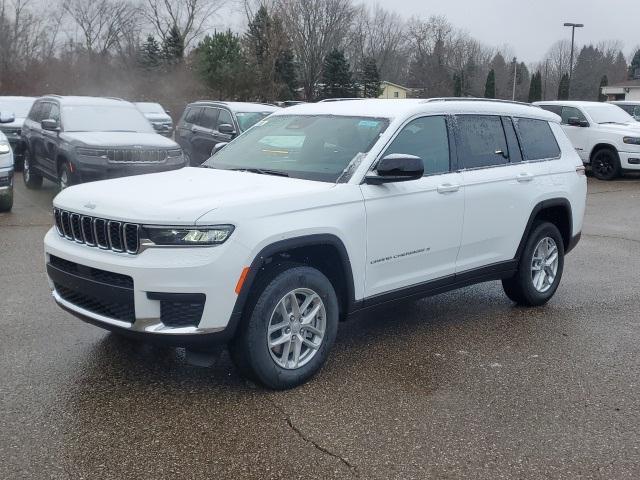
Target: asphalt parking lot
x,y
462,385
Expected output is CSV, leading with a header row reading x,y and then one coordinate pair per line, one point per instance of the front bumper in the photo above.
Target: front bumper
x,y
6,180
629,160
88,169
156,273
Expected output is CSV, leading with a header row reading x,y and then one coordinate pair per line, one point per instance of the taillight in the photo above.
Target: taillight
x,y
581,171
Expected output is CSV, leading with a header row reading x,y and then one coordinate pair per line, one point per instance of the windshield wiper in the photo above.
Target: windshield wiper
x,y
261,171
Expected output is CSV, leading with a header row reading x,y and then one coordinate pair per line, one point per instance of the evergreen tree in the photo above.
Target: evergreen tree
x,y
603,83
634,68
173,46
336,76
457,84
220,64
563,87
150,55
535,88
370,78
490,85
286,74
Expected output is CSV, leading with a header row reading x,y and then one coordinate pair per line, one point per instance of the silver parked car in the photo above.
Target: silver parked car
x,y
158,116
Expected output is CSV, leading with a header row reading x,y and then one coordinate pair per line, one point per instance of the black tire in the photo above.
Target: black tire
x,y
249,349
32,179
6,201
187,156
520,288
65,177
605,164
18,163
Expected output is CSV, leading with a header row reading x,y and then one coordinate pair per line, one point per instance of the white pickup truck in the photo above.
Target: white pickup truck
x,y
605,136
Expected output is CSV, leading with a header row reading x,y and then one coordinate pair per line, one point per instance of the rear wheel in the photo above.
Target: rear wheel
x,y
540,267
287,336
32,179
605,164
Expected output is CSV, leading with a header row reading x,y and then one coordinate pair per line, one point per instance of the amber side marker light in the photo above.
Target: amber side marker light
x,y
243,277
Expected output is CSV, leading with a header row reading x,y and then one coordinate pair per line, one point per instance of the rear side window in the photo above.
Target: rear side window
x,y
209,118
481,141
536,139
427,138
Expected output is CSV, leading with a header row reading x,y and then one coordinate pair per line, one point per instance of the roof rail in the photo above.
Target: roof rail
x,y
52,95
326,100
115,98
474,99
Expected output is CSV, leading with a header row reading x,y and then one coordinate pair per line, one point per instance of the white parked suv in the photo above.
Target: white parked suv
x,y
318,213
605,136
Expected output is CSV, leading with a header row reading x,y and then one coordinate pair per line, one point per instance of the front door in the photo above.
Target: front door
x,y
414,228
579,136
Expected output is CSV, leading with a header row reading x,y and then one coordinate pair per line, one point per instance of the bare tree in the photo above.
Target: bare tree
x,y
315,27
102,23
188,17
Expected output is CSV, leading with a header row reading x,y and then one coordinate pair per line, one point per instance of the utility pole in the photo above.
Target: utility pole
x,y
546,75
515,74
573,37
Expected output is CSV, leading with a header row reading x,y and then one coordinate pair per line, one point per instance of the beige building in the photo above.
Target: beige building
x,y
623,91
392,90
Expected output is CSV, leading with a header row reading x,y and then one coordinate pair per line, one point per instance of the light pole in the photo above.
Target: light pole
x,y
573,37
515,74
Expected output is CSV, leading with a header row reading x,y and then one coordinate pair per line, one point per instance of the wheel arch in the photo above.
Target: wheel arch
x,y
600,146
557,211
319,251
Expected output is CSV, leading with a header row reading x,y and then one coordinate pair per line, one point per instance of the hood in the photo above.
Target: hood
x,y
158,117
179,197
119,139
628,129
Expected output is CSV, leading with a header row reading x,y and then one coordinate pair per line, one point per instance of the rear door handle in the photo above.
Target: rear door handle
x,y
448,188
524,177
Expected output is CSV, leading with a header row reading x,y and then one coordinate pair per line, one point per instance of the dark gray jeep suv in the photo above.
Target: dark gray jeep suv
x,y
73,140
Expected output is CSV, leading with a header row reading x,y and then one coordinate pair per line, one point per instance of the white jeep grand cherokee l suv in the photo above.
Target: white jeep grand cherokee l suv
x,y
319,212
604,135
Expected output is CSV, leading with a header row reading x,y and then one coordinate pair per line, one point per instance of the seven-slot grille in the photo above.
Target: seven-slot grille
x,y
136,156
98,232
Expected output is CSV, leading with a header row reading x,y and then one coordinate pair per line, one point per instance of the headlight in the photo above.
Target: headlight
x,y
4,148
186,236
91,152
174,153
632,140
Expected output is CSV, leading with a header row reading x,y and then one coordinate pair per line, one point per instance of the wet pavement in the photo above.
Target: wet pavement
x,y
462,385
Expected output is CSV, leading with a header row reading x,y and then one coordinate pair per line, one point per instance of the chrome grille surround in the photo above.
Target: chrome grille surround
x,y
97,232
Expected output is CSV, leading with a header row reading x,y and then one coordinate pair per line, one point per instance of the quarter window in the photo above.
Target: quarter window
x,y
537,139
481,141
427,138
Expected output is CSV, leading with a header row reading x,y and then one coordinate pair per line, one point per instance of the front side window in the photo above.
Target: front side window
x,y
54,113
34,113
481,141
312,147
427,138
44,111
572,112
225,118
537,139
557,109
104,118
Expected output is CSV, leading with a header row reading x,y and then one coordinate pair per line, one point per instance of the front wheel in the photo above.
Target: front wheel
x,y
65,178
287,336
32,179
605,165
540,267
6,200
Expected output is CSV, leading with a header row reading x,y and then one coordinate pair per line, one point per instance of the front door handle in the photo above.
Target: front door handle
x,y
524,177
448,188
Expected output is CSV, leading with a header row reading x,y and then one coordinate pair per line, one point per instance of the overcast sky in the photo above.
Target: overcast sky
x,y
530,27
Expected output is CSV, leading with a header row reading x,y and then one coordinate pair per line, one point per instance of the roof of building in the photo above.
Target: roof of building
x,y
627,84
392,108
396,85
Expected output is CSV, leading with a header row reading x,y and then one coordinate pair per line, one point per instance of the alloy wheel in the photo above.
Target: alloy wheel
x,y
26,168
296,328
544,264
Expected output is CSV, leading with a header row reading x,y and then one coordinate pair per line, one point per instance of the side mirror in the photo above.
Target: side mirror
x,y
576,122
50,125
168,112
227,129
397,167
7,117
218,147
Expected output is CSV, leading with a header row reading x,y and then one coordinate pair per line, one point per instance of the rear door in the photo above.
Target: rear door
x,y
499,187
184,133
203,138
414,228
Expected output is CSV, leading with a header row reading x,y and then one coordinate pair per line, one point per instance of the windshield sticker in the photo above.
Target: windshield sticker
x,y
369,123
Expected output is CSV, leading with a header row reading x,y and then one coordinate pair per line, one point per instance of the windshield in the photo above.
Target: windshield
x,y
19,108
318,147
246,120
104,118
146,107
608,114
